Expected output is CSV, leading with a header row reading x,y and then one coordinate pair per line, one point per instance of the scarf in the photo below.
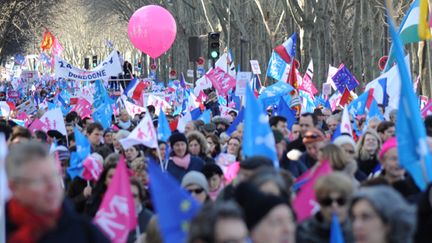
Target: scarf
x,y
30,226
213,195
182,162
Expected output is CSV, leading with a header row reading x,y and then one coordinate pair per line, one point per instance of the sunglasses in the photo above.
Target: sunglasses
x,y
196,191
311,136
326,202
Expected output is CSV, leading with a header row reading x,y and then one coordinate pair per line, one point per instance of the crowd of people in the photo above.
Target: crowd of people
x,y
370,195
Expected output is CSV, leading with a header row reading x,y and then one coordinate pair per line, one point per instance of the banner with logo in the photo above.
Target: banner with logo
x,y
109,67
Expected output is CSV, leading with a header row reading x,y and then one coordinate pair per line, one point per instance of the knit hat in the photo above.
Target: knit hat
x,y
344,139
313,135
392,208
255,204
389,144
177,137
197,178
209,127
218,119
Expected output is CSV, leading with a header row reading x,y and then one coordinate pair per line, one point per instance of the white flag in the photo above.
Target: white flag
x,y
346,126
144,133
133,109
54,120
183,121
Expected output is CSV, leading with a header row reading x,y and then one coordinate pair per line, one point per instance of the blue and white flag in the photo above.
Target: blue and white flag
x,y
163,130
278,68
413,150
258,137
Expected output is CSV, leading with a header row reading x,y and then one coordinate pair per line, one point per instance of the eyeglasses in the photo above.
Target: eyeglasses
x,y
196,191
312,136
326,202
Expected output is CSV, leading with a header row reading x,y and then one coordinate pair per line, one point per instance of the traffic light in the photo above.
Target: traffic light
x,y
94,61
87,63
213,45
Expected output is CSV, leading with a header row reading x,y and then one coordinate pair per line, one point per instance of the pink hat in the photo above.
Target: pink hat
x,y
389,144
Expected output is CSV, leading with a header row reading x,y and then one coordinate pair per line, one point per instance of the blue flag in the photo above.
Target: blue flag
x,y
163,130
272,93
343,78
413,150
383,83
195,113
257,135
284,110
277,67
205,116
174,206
336,133
358,106
239,118
82,151
103,115
374,111
336,235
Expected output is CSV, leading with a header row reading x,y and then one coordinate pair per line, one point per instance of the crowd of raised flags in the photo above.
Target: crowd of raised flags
x,y
152,120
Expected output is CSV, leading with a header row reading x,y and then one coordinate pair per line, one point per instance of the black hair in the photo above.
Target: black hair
x,y
274,120
314,118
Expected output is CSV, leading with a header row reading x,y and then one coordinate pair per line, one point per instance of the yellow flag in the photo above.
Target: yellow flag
x,y
423,26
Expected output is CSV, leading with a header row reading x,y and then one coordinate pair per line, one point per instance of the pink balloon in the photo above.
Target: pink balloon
x,y
152,29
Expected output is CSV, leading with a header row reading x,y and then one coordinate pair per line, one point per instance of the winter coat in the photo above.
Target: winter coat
x,y
178,172
316,230
71,227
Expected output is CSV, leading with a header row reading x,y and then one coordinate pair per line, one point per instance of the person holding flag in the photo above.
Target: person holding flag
x,y
332,193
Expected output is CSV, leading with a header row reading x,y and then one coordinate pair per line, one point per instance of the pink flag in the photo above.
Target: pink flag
x,y
38,125
56,50
427,109
221,80
92,167
202,97
305,204
116,216
83,108
231,172
24,117
306,83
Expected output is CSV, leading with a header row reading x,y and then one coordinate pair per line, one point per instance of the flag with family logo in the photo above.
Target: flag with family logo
x,y
144,134
173,205
116,216
83,149
257,135
413,149
305,204
271,94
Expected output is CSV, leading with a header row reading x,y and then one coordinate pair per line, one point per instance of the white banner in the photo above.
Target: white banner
x,y
243,79
111,66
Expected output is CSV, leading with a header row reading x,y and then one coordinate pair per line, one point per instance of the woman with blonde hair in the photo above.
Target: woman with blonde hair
x,y
367,150
339,160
